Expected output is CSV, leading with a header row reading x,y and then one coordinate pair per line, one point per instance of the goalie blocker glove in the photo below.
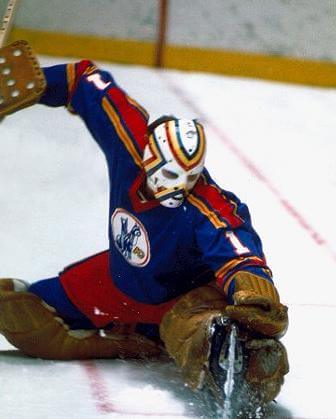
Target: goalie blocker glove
x,y
194,339
257,306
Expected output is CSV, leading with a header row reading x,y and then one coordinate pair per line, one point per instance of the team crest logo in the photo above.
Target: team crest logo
x,y
130,238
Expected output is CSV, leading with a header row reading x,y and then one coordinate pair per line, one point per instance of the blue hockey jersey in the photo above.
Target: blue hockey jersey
x,y
156,253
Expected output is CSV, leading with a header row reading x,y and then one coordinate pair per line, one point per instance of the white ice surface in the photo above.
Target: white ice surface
x,y
272,144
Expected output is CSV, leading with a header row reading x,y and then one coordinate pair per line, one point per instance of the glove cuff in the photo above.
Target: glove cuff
x,y
246,281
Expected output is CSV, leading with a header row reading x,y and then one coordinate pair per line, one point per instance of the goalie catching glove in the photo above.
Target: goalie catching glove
x,y
22,81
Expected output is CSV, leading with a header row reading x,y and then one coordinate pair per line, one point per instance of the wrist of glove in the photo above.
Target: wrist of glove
x,y
257,307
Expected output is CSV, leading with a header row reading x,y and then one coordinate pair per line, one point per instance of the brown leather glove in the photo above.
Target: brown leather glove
x,y
186,331
22,81
257,306
268,364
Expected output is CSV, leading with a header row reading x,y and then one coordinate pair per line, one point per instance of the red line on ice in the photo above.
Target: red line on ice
x,y
100,394
98,387
314,235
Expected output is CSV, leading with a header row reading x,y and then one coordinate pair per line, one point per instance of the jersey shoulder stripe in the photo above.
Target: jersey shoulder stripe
x,y
214,204
202,206
121,131
129,121
133,117
127,117
138,107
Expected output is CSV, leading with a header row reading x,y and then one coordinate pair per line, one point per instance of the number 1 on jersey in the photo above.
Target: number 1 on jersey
x,y
97,81
239,248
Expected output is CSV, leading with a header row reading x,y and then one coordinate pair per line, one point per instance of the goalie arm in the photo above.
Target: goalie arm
x,y
63,81
116,121
253,299
234,253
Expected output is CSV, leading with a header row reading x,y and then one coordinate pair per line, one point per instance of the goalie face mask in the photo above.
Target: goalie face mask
x,y
173,159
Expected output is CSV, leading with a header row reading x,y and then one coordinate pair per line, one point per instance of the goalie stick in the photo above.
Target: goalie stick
x,y
22,81
7,21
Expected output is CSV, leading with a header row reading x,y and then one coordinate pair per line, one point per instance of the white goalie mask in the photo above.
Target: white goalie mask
x,y
174,159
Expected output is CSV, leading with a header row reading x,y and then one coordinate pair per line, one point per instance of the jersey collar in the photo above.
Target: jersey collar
x,y
139,202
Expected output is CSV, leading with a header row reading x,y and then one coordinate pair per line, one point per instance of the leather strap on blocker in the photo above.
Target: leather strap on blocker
x,y
22,81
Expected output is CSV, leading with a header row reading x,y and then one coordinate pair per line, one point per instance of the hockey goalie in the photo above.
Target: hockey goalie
x,y
184,260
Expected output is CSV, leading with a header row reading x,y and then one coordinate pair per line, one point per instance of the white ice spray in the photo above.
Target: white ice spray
x,y
230,368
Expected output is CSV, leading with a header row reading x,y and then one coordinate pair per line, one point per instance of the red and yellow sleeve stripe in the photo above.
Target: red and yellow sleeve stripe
x,y
129,120
121,131
74,71
225,274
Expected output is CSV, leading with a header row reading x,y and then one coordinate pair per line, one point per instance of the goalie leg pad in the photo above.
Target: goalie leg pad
x,y
32,326
9,284
186,329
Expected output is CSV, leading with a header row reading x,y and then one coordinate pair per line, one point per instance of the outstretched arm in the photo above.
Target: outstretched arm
x,y
64,81
116,121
